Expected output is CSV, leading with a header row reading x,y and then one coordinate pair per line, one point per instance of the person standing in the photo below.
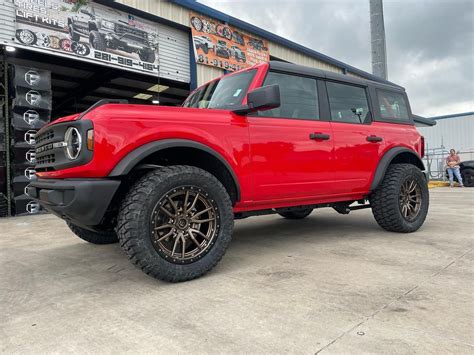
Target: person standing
x,y
453,161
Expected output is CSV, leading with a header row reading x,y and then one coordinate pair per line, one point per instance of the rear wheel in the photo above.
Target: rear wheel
x,y
176,223
93,237
400,203
97,41
297,213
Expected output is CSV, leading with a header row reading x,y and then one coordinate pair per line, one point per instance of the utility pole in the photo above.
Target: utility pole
x,y
377,36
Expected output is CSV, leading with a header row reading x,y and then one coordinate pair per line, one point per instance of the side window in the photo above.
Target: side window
x,y
347,103
299,97
392,105
201,97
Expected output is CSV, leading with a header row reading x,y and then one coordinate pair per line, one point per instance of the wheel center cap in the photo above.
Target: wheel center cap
x,y
182,223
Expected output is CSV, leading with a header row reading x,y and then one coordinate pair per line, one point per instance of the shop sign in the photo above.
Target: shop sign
x,y
226,47
88,31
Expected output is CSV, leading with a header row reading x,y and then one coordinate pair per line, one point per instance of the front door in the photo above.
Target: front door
x,y
291,147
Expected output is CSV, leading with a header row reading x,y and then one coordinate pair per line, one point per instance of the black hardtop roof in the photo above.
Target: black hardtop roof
x,y
302,70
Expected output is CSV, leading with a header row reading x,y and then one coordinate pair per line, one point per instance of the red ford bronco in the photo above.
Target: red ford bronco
x,y
168,182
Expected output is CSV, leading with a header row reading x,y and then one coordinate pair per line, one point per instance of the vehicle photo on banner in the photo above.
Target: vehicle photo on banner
x,y
88,30
226,47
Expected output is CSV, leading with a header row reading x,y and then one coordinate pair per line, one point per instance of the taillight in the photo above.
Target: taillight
x,y
422,148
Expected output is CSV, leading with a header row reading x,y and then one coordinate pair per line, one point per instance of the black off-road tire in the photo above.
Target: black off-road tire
x,y
296,214
73,34
135,231
385,200
147,55
97,41
468,177
93,237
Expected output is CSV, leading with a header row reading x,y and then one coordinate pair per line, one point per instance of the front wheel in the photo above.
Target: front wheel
x,y
468,177
400,203
176,223
147,55
97,41
93,237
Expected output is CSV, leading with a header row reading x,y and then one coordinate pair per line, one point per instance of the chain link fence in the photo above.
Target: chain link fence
x,y
435,161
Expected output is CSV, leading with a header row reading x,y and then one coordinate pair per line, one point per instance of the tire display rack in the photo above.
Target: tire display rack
x,y
26,109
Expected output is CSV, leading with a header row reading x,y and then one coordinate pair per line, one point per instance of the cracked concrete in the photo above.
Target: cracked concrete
x,y
327,284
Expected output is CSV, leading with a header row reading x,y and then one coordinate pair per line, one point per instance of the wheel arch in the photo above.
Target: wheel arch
x,y
395,155
177,152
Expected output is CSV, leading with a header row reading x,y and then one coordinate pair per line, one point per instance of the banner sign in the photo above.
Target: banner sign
x,y
88,30
226,47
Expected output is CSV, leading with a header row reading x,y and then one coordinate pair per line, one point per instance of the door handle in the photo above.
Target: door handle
x,y
374,139
319,136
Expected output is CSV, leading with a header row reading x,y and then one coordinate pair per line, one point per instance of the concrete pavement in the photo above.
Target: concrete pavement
x,y
328,284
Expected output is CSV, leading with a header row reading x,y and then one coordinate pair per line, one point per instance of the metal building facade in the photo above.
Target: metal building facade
x,y
178,12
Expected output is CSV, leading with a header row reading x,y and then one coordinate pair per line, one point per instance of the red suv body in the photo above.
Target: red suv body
x,y
278,137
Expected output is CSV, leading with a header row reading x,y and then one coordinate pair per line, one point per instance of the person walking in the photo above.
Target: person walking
x,y
453,161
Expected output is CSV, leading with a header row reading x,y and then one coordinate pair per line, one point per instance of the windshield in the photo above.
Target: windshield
x,y
222,94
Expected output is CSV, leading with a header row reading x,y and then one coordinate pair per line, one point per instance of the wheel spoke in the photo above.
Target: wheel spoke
x,y
183,247
194,239
168,213
199,221
194,202
185,206
166,236
164,226
175,245
199,232
173,204
201,212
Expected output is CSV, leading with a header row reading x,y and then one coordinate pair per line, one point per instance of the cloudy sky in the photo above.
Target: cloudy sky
x,y
430,43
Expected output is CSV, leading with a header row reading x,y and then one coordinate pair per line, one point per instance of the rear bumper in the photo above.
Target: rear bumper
x,y
82,201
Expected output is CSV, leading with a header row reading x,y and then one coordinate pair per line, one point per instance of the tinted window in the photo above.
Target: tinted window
x,y
201,97
393,105
299,97
348,103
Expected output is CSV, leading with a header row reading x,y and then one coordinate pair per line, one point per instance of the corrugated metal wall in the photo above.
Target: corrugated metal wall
x,y
454,132
7,21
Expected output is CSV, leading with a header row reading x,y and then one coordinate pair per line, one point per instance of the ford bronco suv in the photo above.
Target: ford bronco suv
x,y
168,182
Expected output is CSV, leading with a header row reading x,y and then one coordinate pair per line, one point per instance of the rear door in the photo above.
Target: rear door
x,y
292,146
358,143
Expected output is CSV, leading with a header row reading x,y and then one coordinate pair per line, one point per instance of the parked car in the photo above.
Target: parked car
x,y
103,33
204,42
467,173
237,53
273,138
222,50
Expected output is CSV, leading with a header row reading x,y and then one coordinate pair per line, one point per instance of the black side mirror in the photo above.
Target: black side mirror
x,y
261,99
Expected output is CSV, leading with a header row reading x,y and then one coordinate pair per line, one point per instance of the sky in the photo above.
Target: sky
x,y
430,43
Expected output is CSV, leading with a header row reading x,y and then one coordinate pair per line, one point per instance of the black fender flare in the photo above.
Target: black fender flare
x,y
131,159
388,157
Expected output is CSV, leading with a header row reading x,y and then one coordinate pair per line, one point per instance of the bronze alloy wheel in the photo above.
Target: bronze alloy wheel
x,y
184,224
410,199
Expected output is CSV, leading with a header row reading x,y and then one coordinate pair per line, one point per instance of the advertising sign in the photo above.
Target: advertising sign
x,y
88,30
226,47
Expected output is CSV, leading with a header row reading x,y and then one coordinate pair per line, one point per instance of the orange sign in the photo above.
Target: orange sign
x,y
226,47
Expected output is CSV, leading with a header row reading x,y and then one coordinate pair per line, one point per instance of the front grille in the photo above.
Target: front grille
x,y
50,151
44,136
128,30
46,159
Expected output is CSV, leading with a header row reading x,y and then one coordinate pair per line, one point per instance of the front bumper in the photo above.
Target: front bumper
x,y
81,201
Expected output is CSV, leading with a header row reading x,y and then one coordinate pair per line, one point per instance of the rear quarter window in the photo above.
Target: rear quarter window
x,y
393,106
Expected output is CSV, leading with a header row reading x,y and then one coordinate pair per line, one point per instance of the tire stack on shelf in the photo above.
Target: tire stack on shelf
x,y
31,110
3,168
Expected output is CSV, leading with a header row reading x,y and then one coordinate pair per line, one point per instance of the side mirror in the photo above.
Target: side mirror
x,y
261,99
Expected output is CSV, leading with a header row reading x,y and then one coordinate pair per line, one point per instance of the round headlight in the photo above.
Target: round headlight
x,y
73,142
107,24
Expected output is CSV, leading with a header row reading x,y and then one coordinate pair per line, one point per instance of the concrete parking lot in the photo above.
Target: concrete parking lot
x,y
328,284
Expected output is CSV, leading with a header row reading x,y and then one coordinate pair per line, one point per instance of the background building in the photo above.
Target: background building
x,y
450,132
